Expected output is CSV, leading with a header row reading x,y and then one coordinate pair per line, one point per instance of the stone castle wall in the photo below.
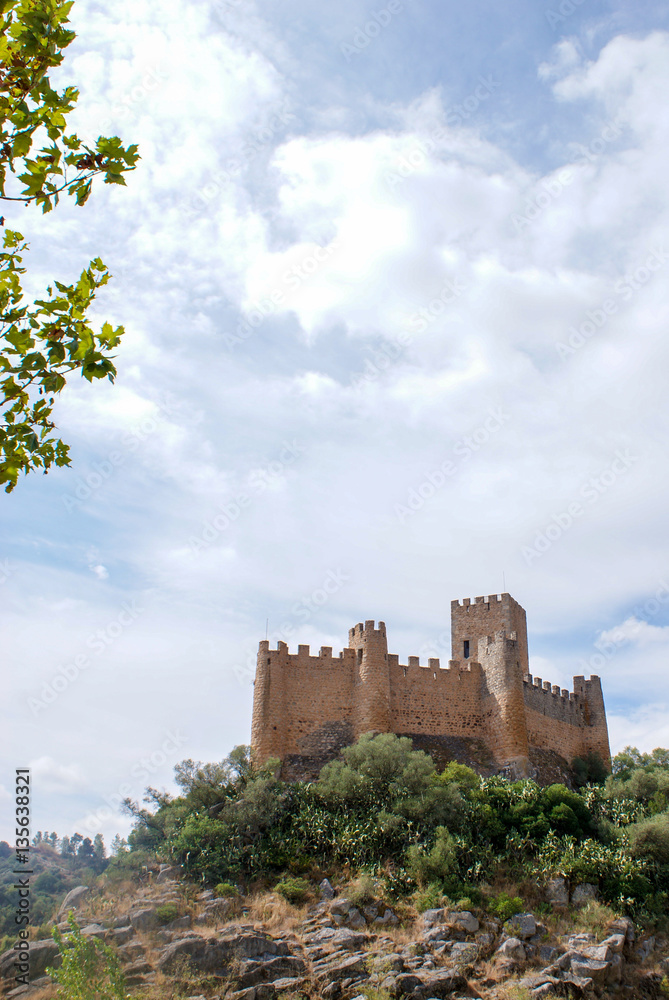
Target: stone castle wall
x,y
307,708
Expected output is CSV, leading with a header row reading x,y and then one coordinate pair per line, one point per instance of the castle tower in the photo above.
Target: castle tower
x,y
597,734
471,622
268,723
371,690
504,701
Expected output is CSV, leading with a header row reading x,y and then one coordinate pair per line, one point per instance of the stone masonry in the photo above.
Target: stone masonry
x,y
485,708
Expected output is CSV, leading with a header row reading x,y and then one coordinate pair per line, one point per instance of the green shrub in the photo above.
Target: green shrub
x,y
437,864
226,889
293,889
364,890
504,906
650,839
166,913
429,898
90,969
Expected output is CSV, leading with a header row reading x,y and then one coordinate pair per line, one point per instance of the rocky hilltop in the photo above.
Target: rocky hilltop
x,y
340,948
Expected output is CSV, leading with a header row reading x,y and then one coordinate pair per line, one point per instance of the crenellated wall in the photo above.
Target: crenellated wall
x,y
307,708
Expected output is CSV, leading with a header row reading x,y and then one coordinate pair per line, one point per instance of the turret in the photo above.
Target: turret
x,y
371,690
597,734
475,620
268,723
499,655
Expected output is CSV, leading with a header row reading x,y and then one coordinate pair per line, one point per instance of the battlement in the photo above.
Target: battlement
x,y
545,687
361,631
490,599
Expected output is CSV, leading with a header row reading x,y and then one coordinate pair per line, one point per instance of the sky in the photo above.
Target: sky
x,y
394,284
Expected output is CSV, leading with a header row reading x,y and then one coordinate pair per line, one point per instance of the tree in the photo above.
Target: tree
x,y
42,344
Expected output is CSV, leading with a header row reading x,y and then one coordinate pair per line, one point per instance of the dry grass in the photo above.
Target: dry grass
x,y
593,918
274,912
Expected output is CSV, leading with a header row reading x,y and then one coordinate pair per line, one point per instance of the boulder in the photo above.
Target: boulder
x,y
122,935
405,983
432,917
615,943
74,899
347,939
464,919
355,919
280,967
512,948
192,949
144,920
386,918
584,894
370,913
354,966
93,930
464,952
557,892
590,968
522,925
340,907
327,892
623,925
443,983
42,954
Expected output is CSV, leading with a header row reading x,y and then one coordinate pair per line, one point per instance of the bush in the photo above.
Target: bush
x,y
438,864
294,890
650,839
363,890
429,898
166,913
504,906
226,889
90,969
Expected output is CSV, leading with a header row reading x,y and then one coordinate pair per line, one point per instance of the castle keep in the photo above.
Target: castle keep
x,y
485,709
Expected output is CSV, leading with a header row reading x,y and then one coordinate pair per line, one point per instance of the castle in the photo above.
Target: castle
x,y
485,709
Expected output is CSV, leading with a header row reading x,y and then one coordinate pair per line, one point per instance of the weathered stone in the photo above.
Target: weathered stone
x,y
432,917
547,990
327,892
438,933
557,892
341,906
590,968
547,953
623,925
288,985
406,983
355,919
443,982
388,963
281,967
93,930
122,935
144,920
584,894
180,923
464,952
615,943
522,925
353,965
74,899
192,948
138,969
347,939
42,954
512,948
387,918
370,913
464,919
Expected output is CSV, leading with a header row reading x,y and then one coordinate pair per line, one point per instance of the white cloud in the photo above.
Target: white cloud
x,y
51,776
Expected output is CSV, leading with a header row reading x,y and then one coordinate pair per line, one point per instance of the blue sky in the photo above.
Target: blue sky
x,y
395,304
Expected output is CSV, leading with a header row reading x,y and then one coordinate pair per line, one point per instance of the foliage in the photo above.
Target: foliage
x,y
166,913
383,813
589,770
504,906
226,890
44,343
90,969
294,890
429,898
